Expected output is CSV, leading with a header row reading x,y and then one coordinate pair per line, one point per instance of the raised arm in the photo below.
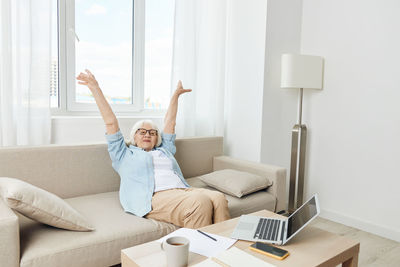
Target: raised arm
x,y
170,116
108,115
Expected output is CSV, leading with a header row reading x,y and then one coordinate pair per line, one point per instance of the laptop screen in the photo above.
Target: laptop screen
x,y
301,216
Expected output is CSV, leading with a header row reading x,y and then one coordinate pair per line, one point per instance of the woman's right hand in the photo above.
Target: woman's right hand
x,y
88,79
108,115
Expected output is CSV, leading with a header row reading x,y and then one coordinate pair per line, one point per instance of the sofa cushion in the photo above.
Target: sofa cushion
x,y
40,205
235,183
250,203
42,245
237,206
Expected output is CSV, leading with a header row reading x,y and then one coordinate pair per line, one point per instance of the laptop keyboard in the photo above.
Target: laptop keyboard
x,y
267,229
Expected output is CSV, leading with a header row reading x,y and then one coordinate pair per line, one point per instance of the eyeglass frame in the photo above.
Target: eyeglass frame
x,y
147,131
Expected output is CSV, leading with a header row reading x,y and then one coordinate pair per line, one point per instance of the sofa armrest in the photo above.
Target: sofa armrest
x,y
277,175
9,236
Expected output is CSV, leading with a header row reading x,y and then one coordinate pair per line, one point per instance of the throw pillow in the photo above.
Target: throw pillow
x,y
40,205
235,183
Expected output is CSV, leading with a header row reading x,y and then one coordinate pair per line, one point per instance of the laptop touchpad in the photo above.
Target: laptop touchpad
x,y
245,226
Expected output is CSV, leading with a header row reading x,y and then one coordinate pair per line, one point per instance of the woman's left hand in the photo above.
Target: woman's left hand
x,y
180,90
170,116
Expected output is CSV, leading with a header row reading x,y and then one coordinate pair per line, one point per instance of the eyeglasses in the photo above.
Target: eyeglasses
x,y
142,131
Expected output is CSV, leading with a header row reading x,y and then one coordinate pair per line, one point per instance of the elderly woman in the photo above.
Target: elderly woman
x,y
152,184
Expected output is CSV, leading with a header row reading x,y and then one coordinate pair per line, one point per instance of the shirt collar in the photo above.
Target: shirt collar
x,y
138,148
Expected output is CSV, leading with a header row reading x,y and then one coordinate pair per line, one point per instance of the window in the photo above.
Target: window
x,y
103,44
126,44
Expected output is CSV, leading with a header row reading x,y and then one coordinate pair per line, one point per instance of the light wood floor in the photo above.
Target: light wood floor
x,y
375,251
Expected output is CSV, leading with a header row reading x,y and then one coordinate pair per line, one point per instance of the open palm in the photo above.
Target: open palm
x,y
87,79
180,90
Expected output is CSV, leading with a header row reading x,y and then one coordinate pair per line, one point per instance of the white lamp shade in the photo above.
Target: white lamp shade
x,y
301,71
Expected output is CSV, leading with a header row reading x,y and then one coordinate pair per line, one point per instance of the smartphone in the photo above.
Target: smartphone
x,y
270,250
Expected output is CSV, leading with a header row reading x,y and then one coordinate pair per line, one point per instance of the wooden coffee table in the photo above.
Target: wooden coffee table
x,y
311,247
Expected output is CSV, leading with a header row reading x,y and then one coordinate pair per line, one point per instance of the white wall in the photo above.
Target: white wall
x,y
245,78
279,105
77,130
354,122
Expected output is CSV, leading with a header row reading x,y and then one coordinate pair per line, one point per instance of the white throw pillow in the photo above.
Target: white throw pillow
x,y
235,183
41,206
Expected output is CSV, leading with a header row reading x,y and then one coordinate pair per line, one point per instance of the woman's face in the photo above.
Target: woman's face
x,y
148,140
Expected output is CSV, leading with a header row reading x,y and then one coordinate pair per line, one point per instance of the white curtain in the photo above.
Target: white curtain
x,y
25,72
199,61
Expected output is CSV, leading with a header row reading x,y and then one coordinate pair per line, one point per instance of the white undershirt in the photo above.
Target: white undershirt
x,y
164,176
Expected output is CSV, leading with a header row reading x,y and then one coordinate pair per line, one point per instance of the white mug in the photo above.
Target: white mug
x,y
177,251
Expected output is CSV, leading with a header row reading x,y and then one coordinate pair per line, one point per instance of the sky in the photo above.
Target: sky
x,y
104,29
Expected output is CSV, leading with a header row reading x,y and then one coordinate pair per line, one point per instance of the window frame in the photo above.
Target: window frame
x,y
67,104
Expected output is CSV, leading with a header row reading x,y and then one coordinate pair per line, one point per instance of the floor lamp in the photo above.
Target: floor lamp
x,y
299,71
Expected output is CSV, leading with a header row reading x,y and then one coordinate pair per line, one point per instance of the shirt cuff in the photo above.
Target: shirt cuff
x,y
114,137
168,137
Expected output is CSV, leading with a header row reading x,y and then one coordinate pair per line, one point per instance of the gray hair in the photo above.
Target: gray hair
x,y
139,124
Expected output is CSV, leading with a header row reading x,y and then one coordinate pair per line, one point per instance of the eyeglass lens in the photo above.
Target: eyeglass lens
x,y
152,132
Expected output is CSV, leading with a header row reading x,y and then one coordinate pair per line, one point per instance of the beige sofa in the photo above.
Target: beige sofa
x,y
82,174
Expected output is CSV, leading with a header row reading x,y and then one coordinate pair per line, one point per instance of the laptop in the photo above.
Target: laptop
x,y
276,231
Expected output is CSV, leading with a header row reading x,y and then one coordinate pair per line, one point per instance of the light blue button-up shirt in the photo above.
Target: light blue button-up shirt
x,y
135,167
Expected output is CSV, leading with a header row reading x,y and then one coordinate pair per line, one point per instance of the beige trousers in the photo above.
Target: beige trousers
x,y
189,207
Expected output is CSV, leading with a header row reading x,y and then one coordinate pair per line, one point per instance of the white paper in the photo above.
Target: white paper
x,y
202,244
207,263
236,257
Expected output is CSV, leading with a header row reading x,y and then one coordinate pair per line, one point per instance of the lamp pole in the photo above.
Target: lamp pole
x,y
297,161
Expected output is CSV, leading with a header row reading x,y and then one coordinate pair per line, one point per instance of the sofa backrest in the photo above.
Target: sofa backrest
x,y
76,170
195,154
